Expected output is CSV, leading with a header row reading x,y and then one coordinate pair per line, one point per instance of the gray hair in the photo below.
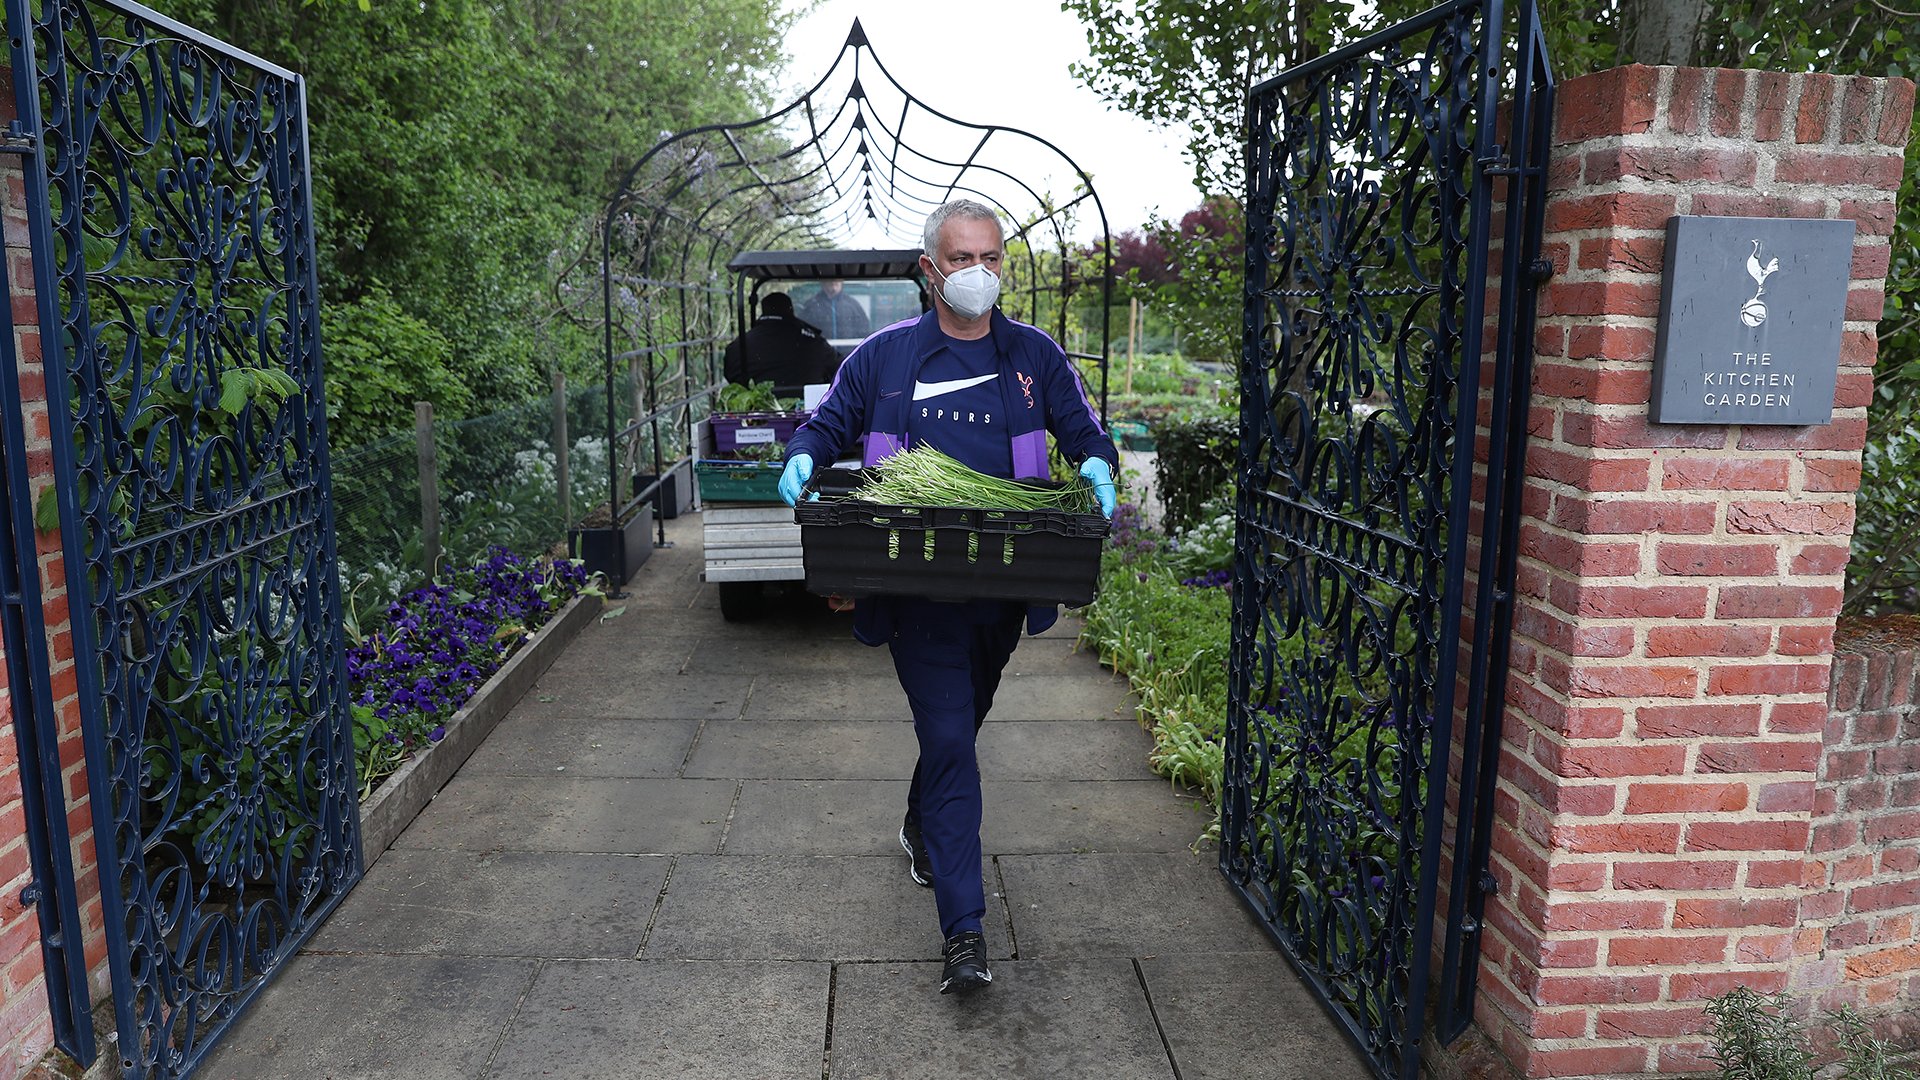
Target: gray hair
x,y
961,208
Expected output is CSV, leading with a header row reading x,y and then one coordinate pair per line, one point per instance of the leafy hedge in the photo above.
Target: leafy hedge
x,y
1196,457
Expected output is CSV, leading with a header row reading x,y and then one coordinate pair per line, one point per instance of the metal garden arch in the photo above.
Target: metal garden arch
x,y
856,154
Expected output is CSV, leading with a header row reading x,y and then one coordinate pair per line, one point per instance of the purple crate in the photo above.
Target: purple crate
x,y
734,431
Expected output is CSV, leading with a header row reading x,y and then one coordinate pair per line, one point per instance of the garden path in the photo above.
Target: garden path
x,y
676,859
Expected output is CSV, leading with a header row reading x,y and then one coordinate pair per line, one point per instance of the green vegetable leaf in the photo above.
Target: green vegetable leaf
x,y
46,510
234,388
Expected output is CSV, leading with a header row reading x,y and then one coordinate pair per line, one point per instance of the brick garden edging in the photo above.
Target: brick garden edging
x,y
390,809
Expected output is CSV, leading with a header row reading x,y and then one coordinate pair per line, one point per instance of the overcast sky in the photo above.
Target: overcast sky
x,y
1005,62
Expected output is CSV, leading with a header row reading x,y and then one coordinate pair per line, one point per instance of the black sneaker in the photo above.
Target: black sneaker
x,y
919,864
966,963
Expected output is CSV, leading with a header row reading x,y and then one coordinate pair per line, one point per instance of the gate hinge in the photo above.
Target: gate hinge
x,y
17,139
1541,269
30,895
1488,883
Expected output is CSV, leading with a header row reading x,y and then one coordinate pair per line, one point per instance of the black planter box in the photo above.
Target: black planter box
x,y
610,549
675,495
856,548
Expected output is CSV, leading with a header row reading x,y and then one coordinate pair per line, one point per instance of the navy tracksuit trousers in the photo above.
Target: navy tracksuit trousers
x,y
949,658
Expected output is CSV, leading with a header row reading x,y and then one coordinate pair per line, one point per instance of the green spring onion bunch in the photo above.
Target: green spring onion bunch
x,y
924,476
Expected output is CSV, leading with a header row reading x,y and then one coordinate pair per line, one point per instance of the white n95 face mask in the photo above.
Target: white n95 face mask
x,y
971,292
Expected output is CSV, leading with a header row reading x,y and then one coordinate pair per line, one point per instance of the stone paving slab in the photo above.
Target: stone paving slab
x,y
529,746
818,817
1048,655
603,652
805,750
751,652
1030,817
879,697
1245,1016
1094,695
1130,904
658,697
644,627
877,750
1064,750
624,1019
374,1018
510,903
829,648
1074,1020
766,907
803,696
521,813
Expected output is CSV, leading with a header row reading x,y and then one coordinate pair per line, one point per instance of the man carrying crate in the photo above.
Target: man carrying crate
x,y
968,381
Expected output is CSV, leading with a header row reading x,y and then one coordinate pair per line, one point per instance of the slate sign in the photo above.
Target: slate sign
x,y
1750,314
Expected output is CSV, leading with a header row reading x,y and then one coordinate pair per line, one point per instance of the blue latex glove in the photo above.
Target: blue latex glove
x,y
1100,475
794,479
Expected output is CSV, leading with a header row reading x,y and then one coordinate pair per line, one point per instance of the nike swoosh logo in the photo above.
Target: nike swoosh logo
x,y
925,390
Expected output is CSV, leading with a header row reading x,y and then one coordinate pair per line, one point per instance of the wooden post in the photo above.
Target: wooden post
x,y
1133,338
562,478
429,487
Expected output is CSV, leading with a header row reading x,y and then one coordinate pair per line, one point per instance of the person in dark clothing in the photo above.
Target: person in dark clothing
x,y
838,315
781,349
974,384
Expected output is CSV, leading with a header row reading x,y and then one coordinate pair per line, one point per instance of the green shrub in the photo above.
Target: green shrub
x,y
380,360
1760,1037
1196,457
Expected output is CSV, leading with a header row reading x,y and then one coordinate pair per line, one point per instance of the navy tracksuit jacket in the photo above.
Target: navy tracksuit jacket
x,y
990,403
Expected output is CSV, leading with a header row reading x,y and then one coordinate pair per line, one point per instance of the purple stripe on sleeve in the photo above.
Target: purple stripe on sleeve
x,y
881,445
1030,454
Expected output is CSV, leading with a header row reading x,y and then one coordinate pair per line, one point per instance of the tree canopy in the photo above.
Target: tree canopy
x,y
459,147
1191,62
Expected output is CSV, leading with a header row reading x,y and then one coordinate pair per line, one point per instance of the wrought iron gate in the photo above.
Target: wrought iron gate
x,y
1374,175
170,214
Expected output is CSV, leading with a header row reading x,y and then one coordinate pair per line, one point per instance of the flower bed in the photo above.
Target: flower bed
x,y
1167,633
437,644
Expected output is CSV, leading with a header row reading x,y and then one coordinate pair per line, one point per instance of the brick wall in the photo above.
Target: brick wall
x,y
25,1024
1862,919
26,1027
1678,584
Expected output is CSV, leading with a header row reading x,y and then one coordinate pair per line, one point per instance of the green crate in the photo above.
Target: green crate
x,y
739,481
1131,434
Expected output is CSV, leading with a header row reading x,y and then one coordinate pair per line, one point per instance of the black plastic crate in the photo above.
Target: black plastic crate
x,y
856,548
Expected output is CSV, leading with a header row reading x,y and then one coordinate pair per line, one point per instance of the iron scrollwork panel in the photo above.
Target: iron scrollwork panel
x,y
1356,406
172,206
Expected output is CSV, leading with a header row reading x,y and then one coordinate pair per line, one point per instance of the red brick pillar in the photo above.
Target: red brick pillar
x,y
1678,584
26,1030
